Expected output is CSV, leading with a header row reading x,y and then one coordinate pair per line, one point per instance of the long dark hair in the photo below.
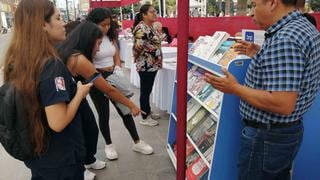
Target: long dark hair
x,y
29,50
139,17
98,15
81,40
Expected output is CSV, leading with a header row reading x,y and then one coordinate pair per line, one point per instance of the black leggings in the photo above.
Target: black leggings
x,y
146,84
101,104
90,131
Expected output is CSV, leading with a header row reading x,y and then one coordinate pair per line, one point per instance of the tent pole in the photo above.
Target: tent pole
x,y
182,60
121,17
132,11
164,8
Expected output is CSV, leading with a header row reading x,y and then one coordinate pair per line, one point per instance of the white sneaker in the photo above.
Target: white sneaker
x,y
148,122
111,152
96,165
142,147
88,175
155,116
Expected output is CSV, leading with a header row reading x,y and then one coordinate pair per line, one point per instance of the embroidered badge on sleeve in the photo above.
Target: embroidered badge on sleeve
x,y
59,82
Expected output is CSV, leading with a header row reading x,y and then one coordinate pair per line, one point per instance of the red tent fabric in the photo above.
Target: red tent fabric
x,y
111,3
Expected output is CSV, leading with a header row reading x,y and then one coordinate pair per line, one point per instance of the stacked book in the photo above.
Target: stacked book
x,y
195,166
199,88
215,49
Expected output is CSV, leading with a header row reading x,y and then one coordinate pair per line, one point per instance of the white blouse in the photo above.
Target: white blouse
x,y
104,57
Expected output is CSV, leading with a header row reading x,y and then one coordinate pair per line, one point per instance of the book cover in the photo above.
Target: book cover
x,y
206,147
189,147
217,38
195,78
217,46
223,48
205,92
209,41
191,157
191,71
195,46
206,127
199,82
201,113
205,45
192,107
214,100
196,170
210,126
227,57
208,154
198,86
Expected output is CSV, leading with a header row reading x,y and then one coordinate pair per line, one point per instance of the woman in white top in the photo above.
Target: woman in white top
x,y
107,61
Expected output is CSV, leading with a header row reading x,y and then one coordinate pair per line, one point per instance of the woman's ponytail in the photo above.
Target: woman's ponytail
x,y
138,18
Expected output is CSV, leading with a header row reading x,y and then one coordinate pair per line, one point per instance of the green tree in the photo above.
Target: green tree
x,y
315,5
242,7
227,7
170,6
212,7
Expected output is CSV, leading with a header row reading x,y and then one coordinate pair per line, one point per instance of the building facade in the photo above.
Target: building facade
x,y
7,9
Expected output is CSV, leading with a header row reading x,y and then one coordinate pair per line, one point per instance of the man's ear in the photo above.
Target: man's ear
x,y
273,4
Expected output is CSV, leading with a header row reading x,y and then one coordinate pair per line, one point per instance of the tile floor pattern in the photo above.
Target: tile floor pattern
x,y
130,165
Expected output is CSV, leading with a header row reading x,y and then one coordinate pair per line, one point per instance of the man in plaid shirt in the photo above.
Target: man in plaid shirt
x,y
281,83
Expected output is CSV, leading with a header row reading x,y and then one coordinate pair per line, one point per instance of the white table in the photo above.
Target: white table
x,y
162,91
168,54
163,86
126,53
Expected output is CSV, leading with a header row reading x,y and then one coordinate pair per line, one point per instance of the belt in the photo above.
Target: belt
x,y
109,69
104,73
260,125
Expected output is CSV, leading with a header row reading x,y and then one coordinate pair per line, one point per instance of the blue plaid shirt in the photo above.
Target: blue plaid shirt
x,y
289,60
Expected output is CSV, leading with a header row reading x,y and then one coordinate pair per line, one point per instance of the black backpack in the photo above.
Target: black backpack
x,y
14,132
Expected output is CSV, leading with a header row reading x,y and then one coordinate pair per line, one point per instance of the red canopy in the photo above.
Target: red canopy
x,y
111,3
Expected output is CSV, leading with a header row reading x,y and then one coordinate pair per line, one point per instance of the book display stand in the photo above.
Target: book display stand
x,y
213,122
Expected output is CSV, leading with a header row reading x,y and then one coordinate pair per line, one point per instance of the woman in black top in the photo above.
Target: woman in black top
x,y
78,50
49,93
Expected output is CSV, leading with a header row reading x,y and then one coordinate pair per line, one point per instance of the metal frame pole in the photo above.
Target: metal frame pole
x,y
183,34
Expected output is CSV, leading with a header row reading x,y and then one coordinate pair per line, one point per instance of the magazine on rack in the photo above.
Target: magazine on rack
x,y
214,43
214,101
198,82
192,107
223,48
205,92
197,169
205,128
201,113
195,49
228,56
